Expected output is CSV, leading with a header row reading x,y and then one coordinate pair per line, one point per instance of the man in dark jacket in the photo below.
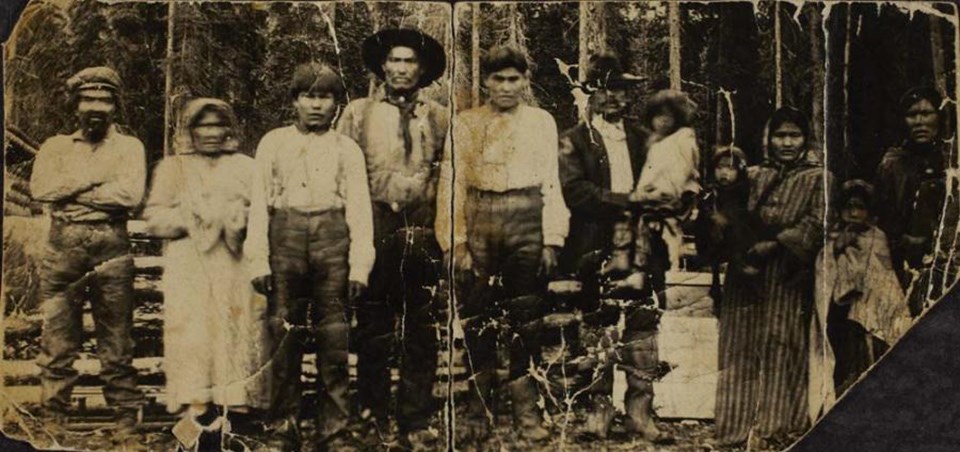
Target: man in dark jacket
x,y
911,180
600,162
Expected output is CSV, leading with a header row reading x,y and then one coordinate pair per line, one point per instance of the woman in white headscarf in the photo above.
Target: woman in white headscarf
x,y
214,340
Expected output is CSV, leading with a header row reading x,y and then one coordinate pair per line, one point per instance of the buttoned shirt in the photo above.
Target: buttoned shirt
x,y
85,181
310,172
502,151
396,178
618,156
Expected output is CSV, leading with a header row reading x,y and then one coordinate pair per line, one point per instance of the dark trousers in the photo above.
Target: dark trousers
x,y
505,239
401,299
308,258
81,256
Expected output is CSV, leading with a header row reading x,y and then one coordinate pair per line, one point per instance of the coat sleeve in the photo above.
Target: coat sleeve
x,y
163,213
804,239
256,246
556,217
451,221
358,211
125,188
584,196
53,178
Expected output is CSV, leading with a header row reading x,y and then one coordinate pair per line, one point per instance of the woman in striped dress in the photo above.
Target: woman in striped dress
x,y
764,320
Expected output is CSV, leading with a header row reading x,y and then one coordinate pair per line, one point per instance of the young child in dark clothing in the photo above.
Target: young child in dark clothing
x,y
724,229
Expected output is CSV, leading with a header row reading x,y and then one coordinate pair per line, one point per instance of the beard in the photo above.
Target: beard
x,y
94,125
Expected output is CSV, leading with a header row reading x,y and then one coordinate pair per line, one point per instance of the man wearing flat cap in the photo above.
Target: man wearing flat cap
x,y
310,245
600,162
90,180
402,136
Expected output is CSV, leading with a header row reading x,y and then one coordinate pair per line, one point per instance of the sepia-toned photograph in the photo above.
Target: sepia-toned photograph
x,y
478,226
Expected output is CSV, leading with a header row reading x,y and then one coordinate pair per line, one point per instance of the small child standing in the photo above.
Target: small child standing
x,y
862,309
670,179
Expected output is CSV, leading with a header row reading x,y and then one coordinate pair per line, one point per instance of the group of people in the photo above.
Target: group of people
x,y
811,301
344,224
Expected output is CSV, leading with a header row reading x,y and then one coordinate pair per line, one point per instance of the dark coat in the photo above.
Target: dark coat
x,y
911,188
585,177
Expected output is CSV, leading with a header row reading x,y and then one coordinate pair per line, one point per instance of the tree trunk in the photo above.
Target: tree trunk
x,y
778,57
674,18
592,35
475,55
815,21
168,77
939,67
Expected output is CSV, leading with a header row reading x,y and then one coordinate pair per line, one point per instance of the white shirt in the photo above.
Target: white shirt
x,y
497,151
618,156
311,173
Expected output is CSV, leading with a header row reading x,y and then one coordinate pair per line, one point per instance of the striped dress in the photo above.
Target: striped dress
x,y
764,320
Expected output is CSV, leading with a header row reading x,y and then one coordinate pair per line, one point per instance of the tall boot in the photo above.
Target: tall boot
x,y
640,417
599,417
527,418
481,411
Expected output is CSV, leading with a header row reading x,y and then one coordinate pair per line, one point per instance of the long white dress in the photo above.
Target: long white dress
x,y
214,337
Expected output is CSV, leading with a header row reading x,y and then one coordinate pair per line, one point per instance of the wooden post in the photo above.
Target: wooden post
x,y
778,56
168,75
475,55
674,18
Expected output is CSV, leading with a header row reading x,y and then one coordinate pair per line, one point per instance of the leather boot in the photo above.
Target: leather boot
x,y
599,418
640,417
481,411
527,418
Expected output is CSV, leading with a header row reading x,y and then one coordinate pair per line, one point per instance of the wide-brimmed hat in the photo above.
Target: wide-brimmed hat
x,y
606,72
431,54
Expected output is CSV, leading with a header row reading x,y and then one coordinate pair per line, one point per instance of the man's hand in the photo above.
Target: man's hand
x,y
355,289
548,261
263,284
764,249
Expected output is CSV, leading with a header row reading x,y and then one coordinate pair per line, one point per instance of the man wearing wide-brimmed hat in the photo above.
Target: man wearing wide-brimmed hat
x,y
91,180
310,245
402,135
601,159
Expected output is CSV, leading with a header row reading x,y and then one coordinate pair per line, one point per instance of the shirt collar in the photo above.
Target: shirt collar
x,y
609,130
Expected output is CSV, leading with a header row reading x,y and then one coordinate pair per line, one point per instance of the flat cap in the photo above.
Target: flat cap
x,y
99,77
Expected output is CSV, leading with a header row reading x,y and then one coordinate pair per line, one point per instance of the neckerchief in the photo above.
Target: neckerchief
x,y
407,103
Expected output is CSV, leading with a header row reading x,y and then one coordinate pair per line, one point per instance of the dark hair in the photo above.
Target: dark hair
x,y
315,77
857,188
918,93
739,161
503,57
675,103
789,115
